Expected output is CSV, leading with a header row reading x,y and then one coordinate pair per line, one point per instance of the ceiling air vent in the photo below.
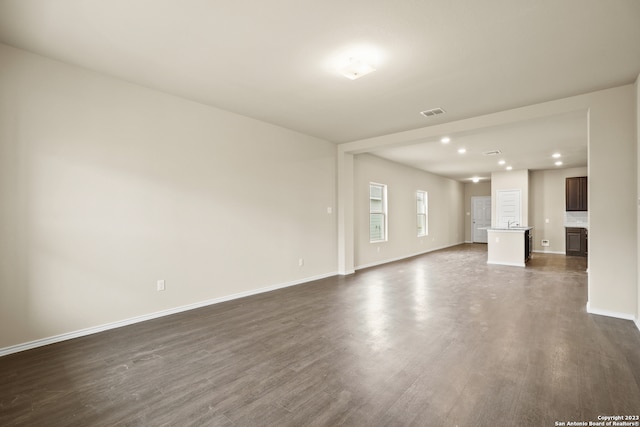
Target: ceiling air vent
x,y
432,112
492,153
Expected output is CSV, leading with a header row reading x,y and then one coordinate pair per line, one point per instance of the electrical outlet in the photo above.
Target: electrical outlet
x,y
329,210
301,262
160,285
544,242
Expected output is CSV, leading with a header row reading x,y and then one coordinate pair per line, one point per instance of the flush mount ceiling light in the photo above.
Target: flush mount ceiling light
x,y
356,68
509,168
501,162
558,163
556,155
354,61
462,150
445,140
475,179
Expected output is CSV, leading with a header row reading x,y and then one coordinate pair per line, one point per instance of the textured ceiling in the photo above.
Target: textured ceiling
x,y
269,59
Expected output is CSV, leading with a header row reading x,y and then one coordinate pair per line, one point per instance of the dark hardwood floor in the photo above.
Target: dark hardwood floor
x,y
441,339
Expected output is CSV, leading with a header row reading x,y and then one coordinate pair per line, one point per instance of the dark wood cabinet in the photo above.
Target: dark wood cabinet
x,y
576,241
576,193
528,245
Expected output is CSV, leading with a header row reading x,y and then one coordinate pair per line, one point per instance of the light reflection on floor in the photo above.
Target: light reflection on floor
x,y
420,300
377,317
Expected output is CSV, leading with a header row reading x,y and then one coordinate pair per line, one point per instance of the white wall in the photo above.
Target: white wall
x,y
106,187
511,180
445,209
612,202
637,89
473,189
547,201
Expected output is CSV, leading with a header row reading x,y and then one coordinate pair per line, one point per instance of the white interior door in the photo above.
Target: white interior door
x,y
509,208
480,218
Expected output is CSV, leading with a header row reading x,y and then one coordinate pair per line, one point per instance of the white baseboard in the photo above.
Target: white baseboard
x,y
120,323
386,261
637,322
608,313
551,252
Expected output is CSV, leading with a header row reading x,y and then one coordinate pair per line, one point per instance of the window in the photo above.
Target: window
x,y
421,213
377,212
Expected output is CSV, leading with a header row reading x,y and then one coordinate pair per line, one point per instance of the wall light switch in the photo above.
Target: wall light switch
x,y
160,285
546,221
329,210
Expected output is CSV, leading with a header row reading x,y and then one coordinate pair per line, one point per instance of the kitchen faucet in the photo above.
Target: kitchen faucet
x,y
511,222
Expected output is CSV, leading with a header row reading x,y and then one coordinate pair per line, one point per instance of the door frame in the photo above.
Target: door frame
x,y
473,234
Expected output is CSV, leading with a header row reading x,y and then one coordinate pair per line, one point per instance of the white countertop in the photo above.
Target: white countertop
x,y
508,230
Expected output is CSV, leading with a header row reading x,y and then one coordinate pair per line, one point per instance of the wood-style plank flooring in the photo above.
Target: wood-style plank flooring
x,y
441,339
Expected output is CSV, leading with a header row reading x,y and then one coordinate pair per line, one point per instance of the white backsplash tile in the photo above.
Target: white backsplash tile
x,y
576,219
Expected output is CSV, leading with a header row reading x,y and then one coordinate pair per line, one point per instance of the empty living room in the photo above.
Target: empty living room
x,y
294,213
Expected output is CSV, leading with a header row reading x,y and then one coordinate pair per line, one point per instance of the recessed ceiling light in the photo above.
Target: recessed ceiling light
x,y
462,150
502,162
509,168
475,179
558,163
556,155
445,140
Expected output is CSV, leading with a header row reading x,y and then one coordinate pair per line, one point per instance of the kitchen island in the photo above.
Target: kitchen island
x,y
509,246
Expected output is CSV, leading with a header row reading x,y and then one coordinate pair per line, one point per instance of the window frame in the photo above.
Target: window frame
x,y
419,214
383,211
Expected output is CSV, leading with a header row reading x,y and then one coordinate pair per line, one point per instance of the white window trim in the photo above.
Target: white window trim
x,y
384,212
426,213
